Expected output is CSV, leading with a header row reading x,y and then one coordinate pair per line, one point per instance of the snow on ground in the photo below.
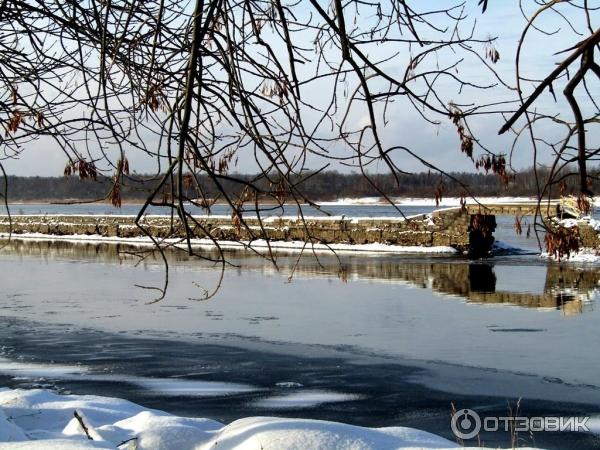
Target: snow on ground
x,y
355,201
408,201
584,255
375,201
258,244
38,419
568,223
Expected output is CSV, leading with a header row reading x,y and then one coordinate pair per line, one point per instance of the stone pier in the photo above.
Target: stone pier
x,y
419,230
468,229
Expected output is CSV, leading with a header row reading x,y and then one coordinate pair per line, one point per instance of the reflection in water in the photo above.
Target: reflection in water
x,y
566,288
482,278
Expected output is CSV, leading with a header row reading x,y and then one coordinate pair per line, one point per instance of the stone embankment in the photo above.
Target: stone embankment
x,y
469,228
422,230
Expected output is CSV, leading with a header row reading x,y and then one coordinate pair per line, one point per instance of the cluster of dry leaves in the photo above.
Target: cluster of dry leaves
x,y
497,164
561,241
85,170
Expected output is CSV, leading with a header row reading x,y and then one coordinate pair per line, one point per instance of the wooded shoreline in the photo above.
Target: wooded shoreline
x,y
318,187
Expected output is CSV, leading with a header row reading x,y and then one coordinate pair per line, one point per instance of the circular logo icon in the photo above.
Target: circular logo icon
x,y
465,424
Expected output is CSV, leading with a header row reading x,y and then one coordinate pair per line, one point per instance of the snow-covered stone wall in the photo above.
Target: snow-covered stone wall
x,y
421,230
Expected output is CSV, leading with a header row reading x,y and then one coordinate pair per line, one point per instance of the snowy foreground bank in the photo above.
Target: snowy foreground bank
x,y
38,419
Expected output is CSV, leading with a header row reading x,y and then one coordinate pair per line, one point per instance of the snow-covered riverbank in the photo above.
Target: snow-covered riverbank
x,y
38,419
410,201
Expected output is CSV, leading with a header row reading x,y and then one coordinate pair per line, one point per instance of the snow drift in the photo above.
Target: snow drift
x,y
39,419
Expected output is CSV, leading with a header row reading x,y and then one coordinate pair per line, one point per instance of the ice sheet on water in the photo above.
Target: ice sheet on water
x,y
304,399
175,387
23,369
289,384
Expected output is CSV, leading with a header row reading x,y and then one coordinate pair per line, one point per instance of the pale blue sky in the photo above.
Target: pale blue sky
x,y
438,144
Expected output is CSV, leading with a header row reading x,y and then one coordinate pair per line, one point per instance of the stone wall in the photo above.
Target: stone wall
x,y
449,227
422,230
588,236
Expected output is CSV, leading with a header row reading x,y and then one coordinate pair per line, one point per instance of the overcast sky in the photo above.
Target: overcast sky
x,y
439,144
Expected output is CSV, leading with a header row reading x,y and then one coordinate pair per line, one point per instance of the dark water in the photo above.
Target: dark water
x,y
378,391
369,340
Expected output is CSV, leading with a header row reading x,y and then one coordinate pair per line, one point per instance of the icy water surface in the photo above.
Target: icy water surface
x,y
370,340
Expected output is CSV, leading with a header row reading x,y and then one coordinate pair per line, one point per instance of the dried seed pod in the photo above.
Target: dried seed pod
x,y
518,228
236,220
115,193
466,141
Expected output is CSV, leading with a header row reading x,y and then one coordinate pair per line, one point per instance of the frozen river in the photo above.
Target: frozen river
x,y
370,340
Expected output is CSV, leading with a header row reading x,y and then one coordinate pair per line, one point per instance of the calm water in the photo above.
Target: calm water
x,y
371,340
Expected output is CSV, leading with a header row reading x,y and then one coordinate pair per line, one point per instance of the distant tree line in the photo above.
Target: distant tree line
x,y
322,186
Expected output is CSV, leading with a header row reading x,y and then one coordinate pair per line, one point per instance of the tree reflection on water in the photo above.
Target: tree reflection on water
x,y
568,288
